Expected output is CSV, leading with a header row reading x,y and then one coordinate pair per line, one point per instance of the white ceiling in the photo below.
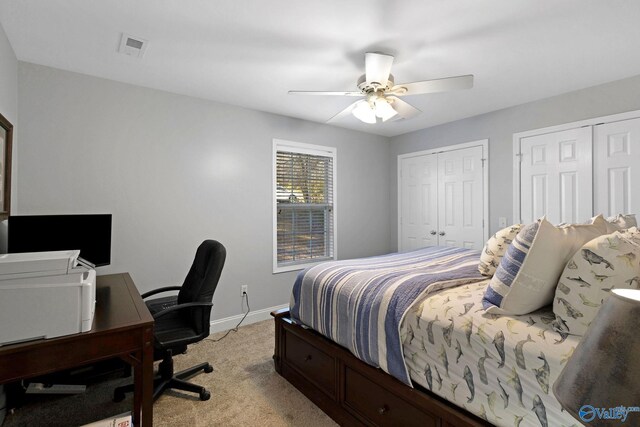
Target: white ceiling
x,y
251,52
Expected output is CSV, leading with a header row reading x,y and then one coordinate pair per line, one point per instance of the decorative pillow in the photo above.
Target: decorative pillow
x,y
598,219
633,234
606,262
528,273
495,248
621,222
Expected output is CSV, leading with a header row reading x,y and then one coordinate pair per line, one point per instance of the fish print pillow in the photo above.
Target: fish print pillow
x,y
621,222
632,234
495,249
598,219
528,273
606,262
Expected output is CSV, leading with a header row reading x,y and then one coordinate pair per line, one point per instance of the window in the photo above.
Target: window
x,y
304,205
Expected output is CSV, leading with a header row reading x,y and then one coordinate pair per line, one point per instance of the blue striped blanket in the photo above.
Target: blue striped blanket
x,y
360,303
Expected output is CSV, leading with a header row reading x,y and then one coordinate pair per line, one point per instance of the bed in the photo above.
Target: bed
x,y
500,368
426,352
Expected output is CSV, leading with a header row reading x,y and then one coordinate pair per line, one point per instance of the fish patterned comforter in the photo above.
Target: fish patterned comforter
x,y
500,368
360,303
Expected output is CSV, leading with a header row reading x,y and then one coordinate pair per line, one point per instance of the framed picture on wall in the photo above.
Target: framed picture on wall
x,y
6,136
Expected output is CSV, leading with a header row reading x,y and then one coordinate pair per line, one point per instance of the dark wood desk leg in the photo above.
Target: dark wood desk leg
x,y
137,388
143,382
147,378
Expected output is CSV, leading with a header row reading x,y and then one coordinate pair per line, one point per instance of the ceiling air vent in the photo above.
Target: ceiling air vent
x,y
132,46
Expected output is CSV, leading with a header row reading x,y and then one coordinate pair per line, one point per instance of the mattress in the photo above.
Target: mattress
x,y
501,368
360,303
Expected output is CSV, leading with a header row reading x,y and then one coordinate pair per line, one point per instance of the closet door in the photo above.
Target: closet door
x,y
418,202
460,198
441,199
617,167
556,176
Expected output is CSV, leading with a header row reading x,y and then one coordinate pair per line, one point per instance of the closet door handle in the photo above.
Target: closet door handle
x,y
432,232
441,233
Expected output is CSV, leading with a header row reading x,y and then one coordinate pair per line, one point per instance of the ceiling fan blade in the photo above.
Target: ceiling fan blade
x,y
377,67
319,92
432,86
344,113
404,109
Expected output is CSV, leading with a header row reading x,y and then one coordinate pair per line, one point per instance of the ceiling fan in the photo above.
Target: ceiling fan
x,y
381,94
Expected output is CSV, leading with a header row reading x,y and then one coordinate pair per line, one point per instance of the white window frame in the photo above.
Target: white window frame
x,y
303,148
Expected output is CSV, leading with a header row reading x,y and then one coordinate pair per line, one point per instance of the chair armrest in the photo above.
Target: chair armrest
x,y
181,307
159,290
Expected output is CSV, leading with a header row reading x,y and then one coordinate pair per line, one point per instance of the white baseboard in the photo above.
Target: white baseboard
x,y
253,317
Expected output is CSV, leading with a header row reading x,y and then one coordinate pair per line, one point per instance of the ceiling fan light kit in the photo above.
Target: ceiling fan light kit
x,y
363,112
383,108
373,109
381,94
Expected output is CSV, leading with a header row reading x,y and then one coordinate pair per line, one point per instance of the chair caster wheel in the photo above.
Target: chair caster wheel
x,y
208,369
118,396
205,395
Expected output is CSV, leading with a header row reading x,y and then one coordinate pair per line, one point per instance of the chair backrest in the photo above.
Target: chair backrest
x,y
202,280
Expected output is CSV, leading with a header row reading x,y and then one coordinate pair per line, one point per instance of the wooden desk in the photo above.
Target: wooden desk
x,y
122,327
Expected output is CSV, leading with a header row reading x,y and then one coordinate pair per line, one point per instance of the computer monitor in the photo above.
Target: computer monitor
x,y
90,233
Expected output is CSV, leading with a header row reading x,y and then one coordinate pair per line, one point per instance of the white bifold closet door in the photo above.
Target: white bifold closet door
x,y
617,167
419,202
460,198
556,177
442,199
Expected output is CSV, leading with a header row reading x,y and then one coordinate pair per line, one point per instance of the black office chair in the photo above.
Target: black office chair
x,y
183,319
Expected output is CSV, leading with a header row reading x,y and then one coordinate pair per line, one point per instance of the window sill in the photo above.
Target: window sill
x,y
295,267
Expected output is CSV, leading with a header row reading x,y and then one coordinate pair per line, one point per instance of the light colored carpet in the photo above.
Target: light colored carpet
x,y
245,391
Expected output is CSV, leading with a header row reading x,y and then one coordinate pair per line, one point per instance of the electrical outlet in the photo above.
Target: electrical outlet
x,y
243,290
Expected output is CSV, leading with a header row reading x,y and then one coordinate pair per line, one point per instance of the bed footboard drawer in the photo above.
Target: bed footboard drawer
x,y
313,363
379,406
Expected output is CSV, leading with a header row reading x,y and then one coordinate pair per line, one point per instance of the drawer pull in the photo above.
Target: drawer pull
x,y
306,359
383,409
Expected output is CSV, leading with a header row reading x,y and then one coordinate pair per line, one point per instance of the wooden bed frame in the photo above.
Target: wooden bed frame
x,y
352,392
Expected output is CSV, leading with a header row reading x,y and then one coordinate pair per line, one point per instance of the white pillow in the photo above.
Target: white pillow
x,y
528,273
608,261
621,222
495,249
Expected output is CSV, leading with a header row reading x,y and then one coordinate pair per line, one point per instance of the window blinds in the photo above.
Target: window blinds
x,y
304,194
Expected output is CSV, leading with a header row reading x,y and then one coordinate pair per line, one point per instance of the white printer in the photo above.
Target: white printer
x,y
45,295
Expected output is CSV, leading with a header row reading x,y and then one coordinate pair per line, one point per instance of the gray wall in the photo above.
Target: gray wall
x,y
8,79
174,170
9,109
499,127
